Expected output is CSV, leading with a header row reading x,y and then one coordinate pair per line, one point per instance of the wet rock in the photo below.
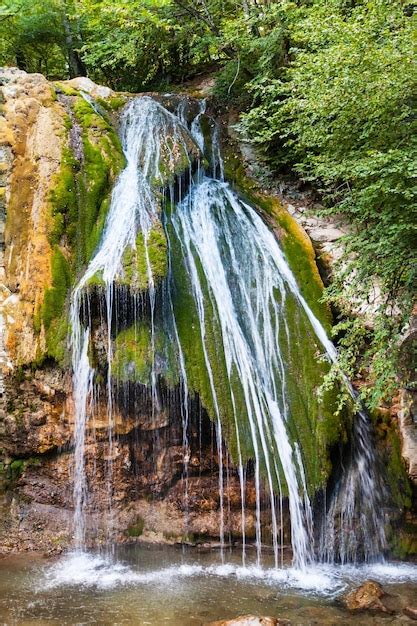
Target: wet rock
x,y
367,597
251,620
411,612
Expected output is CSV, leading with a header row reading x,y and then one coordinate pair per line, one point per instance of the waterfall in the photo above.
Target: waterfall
x,y
149,134
241,284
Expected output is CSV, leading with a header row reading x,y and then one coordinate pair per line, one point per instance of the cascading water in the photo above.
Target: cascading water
x,y
214,227
146,128
353,529
239,278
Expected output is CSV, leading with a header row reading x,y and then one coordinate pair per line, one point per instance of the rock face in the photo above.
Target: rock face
x,y
52,190
408,428
33,138
407,414
150,499
60,156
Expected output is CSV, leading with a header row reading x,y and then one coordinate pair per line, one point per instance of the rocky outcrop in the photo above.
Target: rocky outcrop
x,y
45,180
408,428
151,498
411,612
407,413
32,136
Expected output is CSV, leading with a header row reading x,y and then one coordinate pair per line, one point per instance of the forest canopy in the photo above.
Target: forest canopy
x,y
327,89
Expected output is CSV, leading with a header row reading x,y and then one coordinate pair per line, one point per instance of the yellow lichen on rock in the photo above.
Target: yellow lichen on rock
x,y
34,132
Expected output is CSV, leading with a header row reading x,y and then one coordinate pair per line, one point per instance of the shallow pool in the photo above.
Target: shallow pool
x,y
155,585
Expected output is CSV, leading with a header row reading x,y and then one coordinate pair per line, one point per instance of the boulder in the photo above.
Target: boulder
x,y
367,597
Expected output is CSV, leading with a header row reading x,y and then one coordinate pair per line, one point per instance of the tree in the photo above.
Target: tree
x,y
41,36
342,114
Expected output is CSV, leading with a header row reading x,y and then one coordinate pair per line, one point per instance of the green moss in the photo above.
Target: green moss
x,y
79,199
53,311
63,200
311,416
389,445
398,480
188,326
133,356
136,529
103,160
95,281
55,296
113,103
403,542
16,468
135,269
311,419
66,89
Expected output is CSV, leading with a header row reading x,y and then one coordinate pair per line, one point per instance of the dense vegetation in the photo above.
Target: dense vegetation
x,y
328,90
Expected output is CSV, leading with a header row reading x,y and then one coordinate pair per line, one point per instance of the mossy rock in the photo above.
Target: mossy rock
x,y
403,541
311,420
114,103
152,250
134,357
388,441
294,241
79,202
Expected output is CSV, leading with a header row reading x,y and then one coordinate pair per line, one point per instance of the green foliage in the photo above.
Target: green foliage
x,y
341,113
147,42
41,36
258,44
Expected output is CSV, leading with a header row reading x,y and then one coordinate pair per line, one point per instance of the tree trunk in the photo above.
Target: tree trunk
x,y
21,61
75,64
